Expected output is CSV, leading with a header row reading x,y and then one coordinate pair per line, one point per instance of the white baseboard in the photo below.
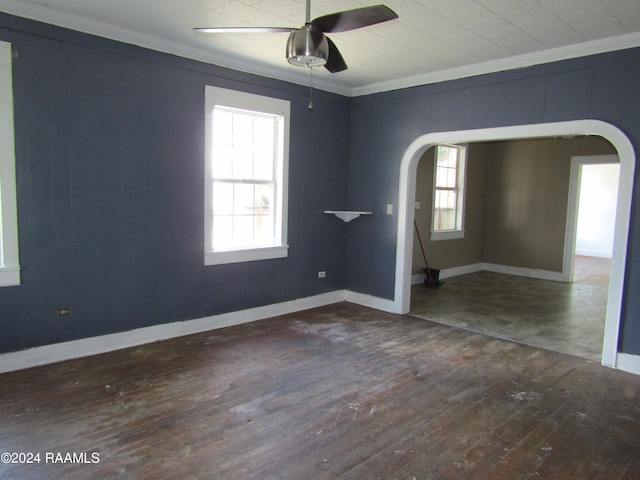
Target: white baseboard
x,y
85,347
492,267
463,270
628,363
449,273
369,301
59,352
524,272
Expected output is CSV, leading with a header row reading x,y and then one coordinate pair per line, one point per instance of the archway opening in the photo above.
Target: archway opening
x,y
407,190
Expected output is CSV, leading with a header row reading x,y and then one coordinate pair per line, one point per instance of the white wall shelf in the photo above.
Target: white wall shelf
x,y
346,215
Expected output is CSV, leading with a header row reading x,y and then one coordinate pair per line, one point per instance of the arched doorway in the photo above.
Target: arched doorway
x,y
407,190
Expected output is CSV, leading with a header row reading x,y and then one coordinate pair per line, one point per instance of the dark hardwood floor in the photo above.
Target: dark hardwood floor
x,y
335,392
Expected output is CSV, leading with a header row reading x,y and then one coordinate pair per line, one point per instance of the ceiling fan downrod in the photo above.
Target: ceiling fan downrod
x,y
307,46
310,106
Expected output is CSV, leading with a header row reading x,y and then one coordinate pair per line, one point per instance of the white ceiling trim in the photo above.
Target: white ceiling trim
x,y
611,44
47,15
300,76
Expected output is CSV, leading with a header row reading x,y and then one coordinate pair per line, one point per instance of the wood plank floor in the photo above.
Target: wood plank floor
x,y
335,392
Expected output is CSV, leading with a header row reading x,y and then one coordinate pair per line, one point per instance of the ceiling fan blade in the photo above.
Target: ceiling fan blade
x,y
244,29
335,62
352,19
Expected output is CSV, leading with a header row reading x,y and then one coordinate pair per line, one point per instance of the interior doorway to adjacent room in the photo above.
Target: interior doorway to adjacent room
x,y
626,153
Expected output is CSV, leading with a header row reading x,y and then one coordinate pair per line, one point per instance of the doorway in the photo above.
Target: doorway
x,y
597,208
511,254
591,217
407,187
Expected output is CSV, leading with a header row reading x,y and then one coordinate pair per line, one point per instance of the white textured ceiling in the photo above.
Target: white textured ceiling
x,y
431,40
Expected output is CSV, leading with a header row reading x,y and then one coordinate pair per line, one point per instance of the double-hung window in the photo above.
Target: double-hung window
x,y
448,192
9,265
246,157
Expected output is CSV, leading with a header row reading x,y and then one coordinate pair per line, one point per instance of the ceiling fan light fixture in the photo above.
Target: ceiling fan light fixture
x,y
307,47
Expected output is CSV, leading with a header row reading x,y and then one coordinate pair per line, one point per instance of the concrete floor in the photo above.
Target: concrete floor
x,y
562,317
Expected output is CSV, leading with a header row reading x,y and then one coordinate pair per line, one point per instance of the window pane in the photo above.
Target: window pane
x,y
449,200
446,177
222,162
243,199
445,210
264,229
222,123
440,177
444,220
264,219
222,198
242,129
263,132
242,163
263,166
437,222
264,199
246,151
222,151
445,199
448,220
452,177
243,231
447,156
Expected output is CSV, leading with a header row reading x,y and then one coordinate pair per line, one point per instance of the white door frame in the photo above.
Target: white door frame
x,y
407,193
572,207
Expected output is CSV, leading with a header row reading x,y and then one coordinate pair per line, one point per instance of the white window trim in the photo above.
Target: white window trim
x,y
458,232
9,258
246,101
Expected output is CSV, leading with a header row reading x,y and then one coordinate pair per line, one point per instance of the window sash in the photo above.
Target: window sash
x,y
9,256
228,219
241,146
265,189
448,191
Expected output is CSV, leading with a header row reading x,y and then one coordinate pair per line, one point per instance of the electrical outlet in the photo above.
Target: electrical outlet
x,y
389,208
322,274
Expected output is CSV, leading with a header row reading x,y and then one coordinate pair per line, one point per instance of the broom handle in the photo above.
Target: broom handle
x,y
415,225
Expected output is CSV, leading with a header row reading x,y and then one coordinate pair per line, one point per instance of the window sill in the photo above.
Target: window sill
x,y
449,235
245,255
9,276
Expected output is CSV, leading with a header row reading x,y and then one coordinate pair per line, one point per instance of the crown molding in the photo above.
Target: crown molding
x,y
48,15
77,23
578,50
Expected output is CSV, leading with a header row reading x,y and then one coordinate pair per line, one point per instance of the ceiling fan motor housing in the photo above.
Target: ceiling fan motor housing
x,y
307,47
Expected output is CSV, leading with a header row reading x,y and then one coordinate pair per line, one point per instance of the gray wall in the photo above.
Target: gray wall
x,y
604,87
110,165
109,147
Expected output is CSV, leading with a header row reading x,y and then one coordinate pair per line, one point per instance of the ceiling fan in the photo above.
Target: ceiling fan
x,y
308,46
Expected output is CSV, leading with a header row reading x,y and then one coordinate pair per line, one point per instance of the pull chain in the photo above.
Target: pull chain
x,y
311,91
